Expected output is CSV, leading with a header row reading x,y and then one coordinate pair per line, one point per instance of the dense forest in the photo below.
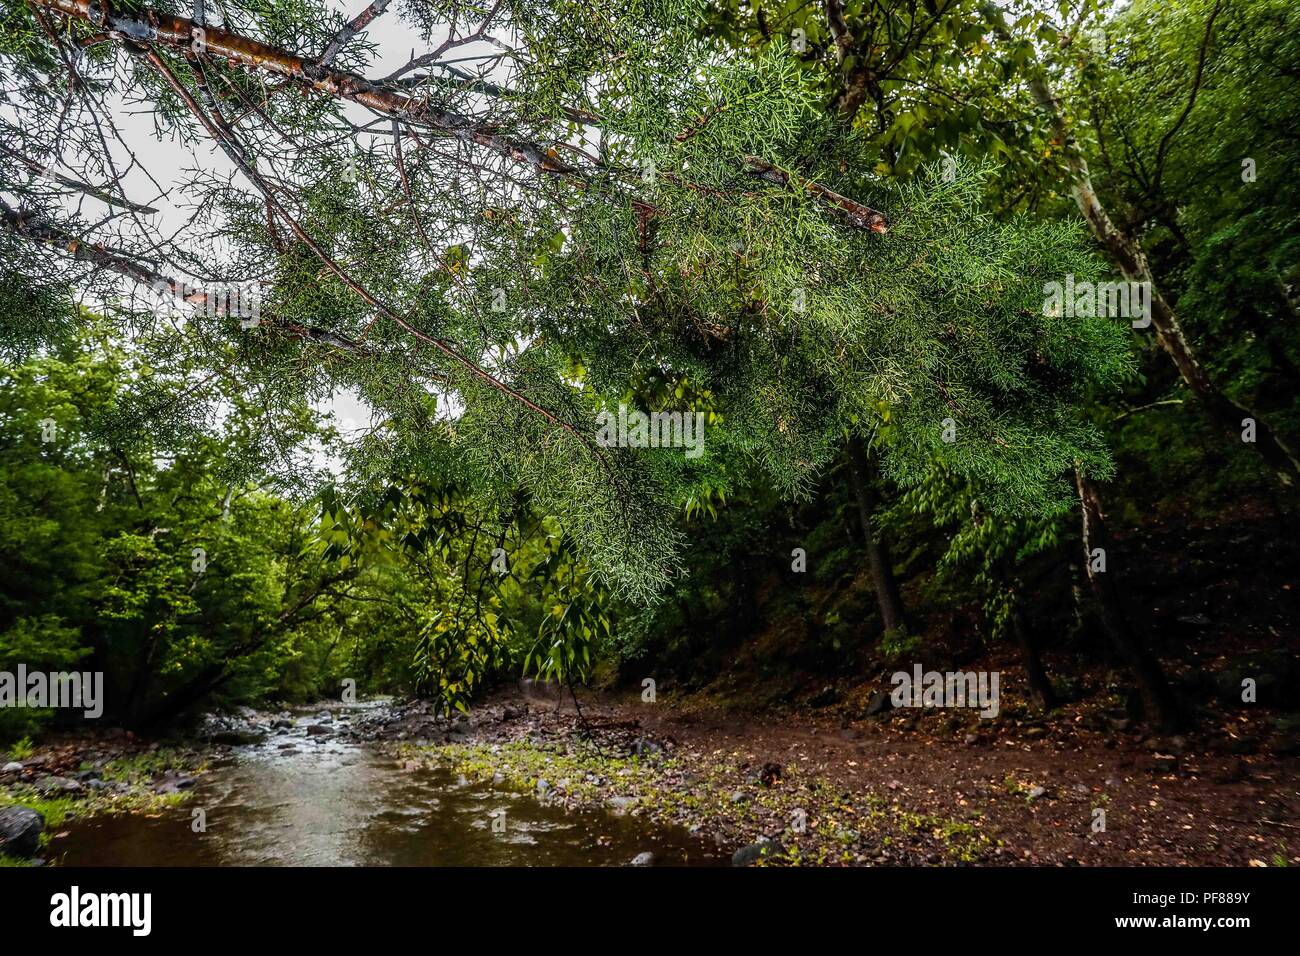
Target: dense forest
x,y
984,315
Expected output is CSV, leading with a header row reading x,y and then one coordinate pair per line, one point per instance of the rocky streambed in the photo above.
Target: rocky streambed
x,y
329,785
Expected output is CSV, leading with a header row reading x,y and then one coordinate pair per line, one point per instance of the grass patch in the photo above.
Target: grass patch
x,y
816,823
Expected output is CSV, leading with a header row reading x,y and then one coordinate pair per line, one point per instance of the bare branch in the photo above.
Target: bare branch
x,y
351,29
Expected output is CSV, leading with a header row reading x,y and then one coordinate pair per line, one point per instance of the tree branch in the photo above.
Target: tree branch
x,y
351,29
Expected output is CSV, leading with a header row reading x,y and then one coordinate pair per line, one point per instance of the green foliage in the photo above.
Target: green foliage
x,y
701,235
140,563
645,206
984,552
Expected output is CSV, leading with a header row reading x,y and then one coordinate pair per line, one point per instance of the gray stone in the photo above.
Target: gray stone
x,y
645,748
12,766
20,828
747,855
47,786
644,859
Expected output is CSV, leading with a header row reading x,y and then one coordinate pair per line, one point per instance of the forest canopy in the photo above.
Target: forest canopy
x,y
938,267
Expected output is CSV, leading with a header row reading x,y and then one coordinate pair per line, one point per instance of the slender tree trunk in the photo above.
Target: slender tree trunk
x,y
1157,699
1040,685
1128,256
888,595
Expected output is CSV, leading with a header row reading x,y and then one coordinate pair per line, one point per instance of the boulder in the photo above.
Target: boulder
x,y
20,828
644,859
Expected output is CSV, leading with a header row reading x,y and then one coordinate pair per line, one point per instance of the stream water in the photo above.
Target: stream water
x,y
297,800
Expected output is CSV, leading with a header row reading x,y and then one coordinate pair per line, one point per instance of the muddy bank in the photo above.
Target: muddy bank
x,y
47,786
1084,787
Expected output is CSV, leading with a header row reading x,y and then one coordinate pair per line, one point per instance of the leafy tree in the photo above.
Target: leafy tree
x,y
718,226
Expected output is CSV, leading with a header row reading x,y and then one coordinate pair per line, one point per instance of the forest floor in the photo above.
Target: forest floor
x,y
906,787
811,785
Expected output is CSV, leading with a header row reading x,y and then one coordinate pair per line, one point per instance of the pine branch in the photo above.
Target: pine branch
x,y
221,133
852,212
351,29
102,195
178,33
121,262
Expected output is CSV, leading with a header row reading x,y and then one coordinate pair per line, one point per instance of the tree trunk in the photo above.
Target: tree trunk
x,y
1157,700
892,611
1128,256
1041,691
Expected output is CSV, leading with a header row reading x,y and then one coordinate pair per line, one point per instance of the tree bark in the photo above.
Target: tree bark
x,y
1128,256
1041,691
1157,700
892,611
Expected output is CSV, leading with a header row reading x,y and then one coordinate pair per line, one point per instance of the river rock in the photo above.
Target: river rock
x,y
318,730
621,804
174,782
12,766
748,855
49,786
20,828
644,859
